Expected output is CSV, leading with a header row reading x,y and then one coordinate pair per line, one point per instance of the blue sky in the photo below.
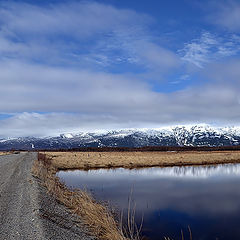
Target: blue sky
x,y
71,66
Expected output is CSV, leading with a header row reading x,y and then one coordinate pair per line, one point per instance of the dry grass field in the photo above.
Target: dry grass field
x,y
89,160
4,153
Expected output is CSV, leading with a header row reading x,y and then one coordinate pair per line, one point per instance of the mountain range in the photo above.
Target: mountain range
x,y
195,135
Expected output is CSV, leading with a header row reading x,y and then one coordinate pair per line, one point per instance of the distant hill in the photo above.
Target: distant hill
x,y
197,135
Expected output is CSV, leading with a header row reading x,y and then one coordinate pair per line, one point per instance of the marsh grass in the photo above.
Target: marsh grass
x,y
96,160
97,217
132,230
182,235
4,153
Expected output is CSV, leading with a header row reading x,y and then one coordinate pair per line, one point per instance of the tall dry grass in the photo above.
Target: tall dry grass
x,y
190,237
4,153
91,160
96,216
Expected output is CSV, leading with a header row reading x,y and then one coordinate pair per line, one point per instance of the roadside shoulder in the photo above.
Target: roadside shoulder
x,y
57,221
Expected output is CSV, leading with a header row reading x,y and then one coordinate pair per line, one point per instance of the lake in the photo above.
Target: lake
x,y
172,199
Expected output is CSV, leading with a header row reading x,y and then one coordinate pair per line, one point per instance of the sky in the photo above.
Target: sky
x,y
73,66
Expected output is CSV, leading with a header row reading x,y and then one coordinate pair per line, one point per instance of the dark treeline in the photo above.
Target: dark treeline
x,y
143,149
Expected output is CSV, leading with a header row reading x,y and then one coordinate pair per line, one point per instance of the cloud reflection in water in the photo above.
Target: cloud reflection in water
x,y
204,197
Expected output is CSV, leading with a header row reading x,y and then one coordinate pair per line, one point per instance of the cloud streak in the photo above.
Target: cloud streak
x,y
80,34
226,14
209,48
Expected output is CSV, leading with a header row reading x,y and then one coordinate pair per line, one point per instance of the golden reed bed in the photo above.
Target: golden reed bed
x,y
88,160
4,153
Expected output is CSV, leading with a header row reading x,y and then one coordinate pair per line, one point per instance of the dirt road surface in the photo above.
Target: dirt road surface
x,y
26,210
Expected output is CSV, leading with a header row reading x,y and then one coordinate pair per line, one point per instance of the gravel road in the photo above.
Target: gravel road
x,y
26,210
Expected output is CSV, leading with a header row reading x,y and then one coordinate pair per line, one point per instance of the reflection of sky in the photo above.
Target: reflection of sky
x,y
178,196
169,172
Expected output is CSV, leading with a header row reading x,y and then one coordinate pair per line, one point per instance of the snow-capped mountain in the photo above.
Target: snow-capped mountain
x,y
195,135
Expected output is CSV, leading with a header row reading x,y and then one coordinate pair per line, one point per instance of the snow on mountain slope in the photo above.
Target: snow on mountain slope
x,y
67,135
187,135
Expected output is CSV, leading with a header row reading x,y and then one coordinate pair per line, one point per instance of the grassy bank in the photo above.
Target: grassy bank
x,y
93,160
4,153
97,217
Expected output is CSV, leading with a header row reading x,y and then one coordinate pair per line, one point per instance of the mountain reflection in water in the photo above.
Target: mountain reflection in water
x,y
206,198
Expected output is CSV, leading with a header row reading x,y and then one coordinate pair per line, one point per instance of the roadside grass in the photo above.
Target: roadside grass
x,y
99,219
4,153
94,160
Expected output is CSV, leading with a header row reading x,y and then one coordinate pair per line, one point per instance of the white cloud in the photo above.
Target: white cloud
x,y
133,47
81,19
83,34
51,124
209,48
106,101
227,72
57,30
26,87
157,57
226,14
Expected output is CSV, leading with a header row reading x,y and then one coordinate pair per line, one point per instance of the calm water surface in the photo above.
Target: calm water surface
x,y
205,198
